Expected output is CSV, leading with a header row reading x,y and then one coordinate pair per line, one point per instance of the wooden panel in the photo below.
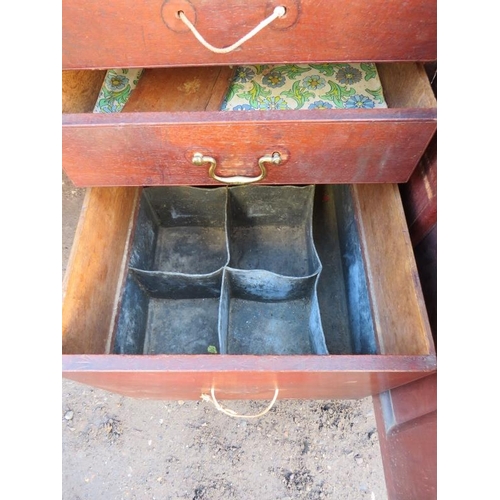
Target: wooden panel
x,y
397,302
406,85
318,146
180,89
426,258
407,429
95,269
149,34
419,195
246,377
409,453
414,400
412,456
80,90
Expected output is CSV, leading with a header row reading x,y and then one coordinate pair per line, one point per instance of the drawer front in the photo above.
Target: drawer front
x,y
172,115
127,33
94,287
247,377
316,147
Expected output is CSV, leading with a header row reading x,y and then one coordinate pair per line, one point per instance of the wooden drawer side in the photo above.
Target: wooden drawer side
x,y
80,90
96,268
399,312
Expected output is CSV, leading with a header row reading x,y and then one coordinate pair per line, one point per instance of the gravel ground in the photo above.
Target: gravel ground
x,y
115,447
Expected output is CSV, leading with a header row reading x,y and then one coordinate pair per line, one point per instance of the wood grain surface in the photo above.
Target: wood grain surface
x,y
150,34
419,195
180,89
246,377
409,453
398,306
80,90
318,146
171,115
95,269
406,85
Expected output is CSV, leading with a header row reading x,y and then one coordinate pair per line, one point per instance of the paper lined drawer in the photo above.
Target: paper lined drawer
x,y
145,146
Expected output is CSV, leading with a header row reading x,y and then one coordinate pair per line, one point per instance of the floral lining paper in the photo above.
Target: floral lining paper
x,y
305,86
116,89
265,87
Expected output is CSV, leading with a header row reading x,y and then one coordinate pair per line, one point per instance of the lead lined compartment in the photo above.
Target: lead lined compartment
x,y
313,299
171,296
264,313
169,313
181,230
270,228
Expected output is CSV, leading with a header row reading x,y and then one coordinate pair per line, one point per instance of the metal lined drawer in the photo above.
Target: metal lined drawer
x,y
366,300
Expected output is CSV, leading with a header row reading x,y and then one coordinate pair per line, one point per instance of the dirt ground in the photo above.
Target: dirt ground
x,y
116,448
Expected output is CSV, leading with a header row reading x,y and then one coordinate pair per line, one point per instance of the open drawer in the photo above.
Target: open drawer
x,y
128,34
174,292
316,146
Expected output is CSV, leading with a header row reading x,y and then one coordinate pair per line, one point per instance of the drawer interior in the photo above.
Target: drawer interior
x,y
405,85
259,270
245,270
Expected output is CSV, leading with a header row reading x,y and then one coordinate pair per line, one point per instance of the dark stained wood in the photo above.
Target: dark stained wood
x,y
419,195
408,433
407,416
246,377
153,143
320,146
95,269
414,400
148,33
426,258
397,303
409,449
80,90
180,89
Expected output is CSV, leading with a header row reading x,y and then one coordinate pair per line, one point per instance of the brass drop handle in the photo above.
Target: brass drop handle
x,y
200,159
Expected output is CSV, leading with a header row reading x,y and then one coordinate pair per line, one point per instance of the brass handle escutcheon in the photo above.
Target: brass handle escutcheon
x,y
200,159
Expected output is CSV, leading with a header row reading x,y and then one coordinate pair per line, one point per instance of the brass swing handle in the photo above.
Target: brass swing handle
x,y
200,159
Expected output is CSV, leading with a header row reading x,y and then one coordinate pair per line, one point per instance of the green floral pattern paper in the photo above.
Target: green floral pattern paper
x,y
289,86
305,86
116,89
